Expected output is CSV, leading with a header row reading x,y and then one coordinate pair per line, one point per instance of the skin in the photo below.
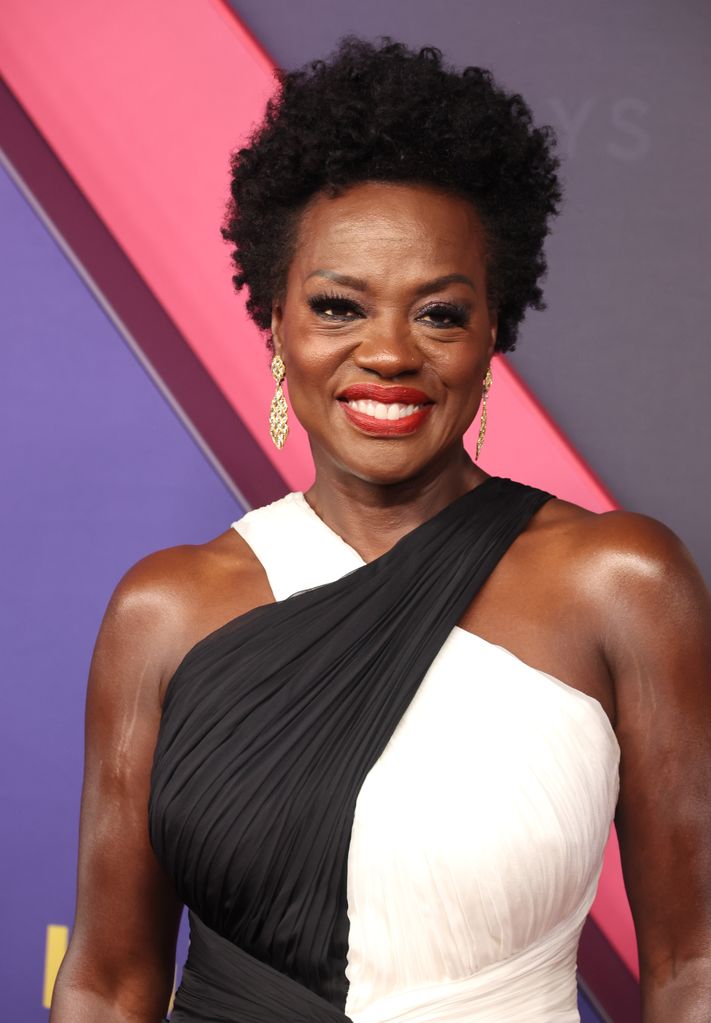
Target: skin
x,y
610,603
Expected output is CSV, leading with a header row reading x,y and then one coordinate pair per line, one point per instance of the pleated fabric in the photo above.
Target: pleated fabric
x,y
269,727
479,833
477,844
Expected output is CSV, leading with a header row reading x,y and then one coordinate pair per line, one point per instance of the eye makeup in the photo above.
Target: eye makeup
x,y
449,314
341,308
335,305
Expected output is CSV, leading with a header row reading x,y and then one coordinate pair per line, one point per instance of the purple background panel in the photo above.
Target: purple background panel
x,y
98,471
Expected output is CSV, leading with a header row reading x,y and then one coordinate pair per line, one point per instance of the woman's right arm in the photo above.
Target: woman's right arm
x,y
119,966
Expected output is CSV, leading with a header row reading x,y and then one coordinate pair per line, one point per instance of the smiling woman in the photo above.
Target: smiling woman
x,y
402,313
382,727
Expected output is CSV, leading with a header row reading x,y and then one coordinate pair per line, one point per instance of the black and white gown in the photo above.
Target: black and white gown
x,y
421,848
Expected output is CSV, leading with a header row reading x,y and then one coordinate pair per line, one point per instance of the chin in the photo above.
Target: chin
x,y
382,471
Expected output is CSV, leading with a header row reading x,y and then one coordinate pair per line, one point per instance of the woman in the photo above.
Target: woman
x,y
382,728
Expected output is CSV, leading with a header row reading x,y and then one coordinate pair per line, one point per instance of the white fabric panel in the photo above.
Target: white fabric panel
x,y
479,833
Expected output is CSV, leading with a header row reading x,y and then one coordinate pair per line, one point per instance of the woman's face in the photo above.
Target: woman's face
x,y
385,309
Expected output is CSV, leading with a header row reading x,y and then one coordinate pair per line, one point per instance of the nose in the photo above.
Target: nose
x,y
388,349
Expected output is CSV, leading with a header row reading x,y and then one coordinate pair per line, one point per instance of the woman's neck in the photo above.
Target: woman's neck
x,y
371,516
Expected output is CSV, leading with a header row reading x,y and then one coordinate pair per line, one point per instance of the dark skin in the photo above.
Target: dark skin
x,y
610,603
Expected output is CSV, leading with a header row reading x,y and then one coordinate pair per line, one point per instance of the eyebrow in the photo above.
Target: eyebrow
x,y
358,284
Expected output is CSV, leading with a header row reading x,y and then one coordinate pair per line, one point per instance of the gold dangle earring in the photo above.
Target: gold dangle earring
x,y
488,380
278,411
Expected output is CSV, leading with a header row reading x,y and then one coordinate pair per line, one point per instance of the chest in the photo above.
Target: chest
x,y
538,609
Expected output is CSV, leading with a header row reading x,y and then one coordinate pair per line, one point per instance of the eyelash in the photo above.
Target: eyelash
x,y
457,314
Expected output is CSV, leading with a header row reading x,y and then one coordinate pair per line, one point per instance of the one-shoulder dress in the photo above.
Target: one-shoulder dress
x,y
453,885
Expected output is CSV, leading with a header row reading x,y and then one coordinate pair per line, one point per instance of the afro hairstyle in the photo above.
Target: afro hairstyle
x,y
384,112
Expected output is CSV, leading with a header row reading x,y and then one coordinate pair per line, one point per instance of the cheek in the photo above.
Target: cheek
x,y
313,361
460,368
313,365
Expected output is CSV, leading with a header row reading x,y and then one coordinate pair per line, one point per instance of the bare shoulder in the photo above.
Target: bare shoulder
x,y
169,599
633,574
617,546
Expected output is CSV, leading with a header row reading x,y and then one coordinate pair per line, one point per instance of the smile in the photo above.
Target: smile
x,y
385,419
381,410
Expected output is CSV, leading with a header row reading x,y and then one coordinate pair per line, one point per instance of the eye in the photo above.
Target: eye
x,y
335,307
443,315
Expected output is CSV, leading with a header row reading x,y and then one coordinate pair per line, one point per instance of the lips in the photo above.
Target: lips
x,y
397,399
387,395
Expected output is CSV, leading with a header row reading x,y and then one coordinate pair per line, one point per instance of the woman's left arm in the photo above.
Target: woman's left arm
x,y
656,638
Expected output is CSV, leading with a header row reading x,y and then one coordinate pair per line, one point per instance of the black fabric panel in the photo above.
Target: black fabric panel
x,y
220,980
271,723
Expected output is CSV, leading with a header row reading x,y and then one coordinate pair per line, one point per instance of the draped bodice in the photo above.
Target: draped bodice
x,y
478,835
474,841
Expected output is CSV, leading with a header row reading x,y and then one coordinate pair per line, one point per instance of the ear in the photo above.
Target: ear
x,y
276,327
493,332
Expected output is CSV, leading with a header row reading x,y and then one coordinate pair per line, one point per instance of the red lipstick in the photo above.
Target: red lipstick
x,y
387,427
388,396
377,392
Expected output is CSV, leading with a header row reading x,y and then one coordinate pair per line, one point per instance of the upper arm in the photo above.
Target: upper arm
x,y
657,641
127,913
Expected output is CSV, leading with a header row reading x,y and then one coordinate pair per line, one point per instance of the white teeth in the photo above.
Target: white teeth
x,y
380,410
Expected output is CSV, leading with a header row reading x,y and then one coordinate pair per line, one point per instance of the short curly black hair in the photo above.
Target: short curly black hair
x,y
384,112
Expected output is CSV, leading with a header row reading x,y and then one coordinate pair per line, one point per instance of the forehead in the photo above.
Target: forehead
x,y
378,226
